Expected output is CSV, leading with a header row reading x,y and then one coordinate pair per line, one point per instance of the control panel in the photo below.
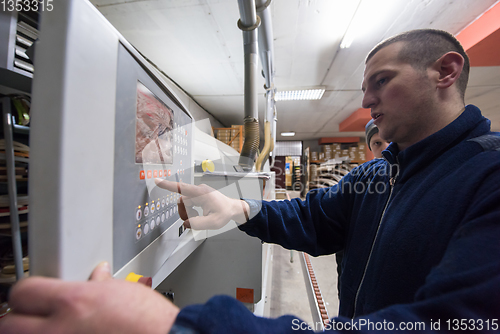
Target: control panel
x,y
152,140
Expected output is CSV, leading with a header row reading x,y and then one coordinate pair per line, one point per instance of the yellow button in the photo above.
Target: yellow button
x,y
208,165
133,277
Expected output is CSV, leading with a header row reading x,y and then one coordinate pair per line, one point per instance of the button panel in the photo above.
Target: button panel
x,y
156,212
152,214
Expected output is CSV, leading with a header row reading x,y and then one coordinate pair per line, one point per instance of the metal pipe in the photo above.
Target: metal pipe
x,y
275,121
266,52
12,189
249,23
266,48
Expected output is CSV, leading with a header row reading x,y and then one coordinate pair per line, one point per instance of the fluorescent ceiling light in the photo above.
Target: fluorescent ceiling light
x,y
288,134
304,94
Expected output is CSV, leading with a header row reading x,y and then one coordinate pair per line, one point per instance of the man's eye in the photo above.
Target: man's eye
x,y
381,81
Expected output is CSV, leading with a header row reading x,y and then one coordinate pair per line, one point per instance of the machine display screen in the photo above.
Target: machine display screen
x,y
153,129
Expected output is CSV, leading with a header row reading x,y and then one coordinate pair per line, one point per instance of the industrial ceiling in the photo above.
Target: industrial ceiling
x,y
198,45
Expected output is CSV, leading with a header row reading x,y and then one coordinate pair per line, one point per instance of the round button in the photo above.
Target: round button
x,y
146,228
152,207
167,214
162,202
138,214
158,205
162,217
146,211
171,212
138,234
158,221
208,165
152,224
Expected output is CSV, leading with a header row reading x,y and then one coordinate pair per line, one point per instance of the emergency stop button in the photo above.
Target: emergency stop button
x,y
133,277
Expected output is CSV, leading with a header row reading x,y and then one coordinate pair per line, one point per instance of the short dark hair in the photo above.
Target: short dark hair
x,y
422,47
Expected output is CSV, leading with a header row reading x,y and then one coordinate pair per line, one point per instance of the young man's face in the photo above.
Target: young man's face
x,y
377,145
400,97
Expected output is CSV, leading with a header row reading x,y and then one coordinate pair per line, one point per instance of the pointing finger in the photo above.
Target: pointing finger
x,y
168,185
178,187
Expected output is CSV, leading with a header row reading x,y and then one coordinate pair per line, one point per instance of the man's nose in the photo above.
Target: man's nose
x,y
369,100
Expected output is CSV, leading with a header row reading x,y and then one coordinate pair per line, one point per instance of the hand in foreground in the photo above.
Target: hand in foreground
x,y
101,305
218,209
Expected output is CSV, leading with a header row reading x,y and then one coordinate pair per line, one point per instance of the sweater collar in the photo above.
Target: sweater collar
x,y
468,125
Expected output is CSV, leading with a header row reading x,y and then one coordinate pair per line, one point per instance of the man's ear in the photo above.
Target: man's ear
x,y
449,67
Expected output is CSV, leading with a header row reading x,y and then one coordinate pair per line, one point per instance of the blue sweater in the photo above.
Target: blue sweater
x,y
420,230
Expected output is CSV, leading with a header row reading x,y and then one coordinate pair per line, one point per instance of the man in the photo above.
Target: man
x,y
420,229
373,140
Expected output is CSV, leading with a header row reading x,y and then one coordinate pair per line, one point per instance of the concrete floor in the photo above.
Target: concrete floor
x,y
289,294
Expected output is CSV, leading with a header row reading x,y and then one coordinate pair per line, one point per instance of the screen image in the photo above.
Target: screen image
x,y
153,129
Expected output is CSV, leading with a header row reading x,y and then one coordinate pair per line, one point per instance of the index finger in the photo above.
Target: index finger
x,y
178,187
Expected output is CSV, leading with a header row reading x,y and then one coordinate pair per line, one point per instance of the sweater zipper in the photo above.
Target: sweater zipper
x,y
392,181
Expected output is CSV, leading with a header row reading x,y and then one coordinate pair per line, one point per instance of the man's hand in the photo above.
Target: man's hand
x,y
101,305
218,209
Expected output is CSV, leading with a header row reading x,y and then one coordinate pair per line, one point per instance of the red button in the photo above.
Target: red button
x,y
160,173
169,172
142,175
155,173
149,174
